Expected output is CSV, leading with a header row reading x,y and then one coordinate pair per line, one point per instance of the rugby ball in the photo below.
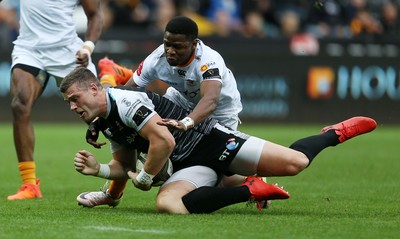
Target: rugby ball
x,y
162,176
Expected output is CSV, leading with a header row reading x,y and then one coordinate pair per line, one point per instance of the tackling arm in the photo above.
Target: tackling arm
x,y
210,91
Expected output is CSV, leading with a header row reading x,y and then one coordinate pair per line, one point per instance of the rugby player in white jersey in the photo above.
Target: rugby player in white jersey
x,y
47,45
192,70
135,121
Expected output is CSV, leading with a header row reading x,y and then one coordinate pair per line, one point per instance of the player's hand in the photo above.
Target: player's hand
x,y
82,57
86,163
138,185
92,134
173,124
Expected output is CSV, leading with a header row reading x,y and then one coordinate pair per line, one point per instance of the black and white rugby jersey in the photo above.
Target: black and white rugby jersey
x,y
130,109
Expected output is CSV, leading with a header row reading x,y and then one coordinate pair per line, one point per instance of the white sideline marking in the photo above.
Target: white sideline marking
x,y
101,228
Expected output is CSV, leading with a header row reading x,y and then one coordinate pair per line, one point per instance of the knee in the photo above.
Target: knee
x,y
20,106
170,205
162,205
298,163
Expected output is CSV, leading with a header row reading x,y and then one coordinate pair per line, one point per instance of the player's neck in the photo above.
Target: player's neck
x,y
189,61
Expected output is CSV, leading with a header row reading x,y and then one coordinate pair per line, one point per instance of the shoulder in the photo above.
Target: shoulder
x,y
207,55
121,93
154,60
156,55
132,106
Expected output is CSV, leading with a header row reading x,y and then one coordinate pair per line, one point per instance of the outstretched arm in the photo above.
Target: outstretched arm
x,y
122,162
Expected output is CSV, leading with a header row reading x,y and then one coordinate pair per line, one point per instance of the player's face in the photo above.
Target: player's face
x,y
178,49
82,102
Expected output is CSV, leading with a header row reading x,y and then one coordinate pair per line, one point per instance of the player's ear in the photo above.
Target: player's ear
x,y
194,44
93,88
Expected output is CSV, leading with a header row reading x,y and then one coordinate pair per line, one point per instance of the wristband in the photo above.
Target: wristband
x,y
144,178
104,171
187,122
90,45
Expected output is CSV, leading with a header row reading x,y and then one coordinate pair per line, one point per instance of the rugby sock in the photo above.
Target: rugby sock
x,y
28,172
117,187
313,145
108,80
209,199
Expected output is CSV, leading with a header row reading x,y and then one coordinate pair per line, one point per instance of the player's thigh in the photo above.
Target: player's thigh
x,y
25,88
278,160
264,158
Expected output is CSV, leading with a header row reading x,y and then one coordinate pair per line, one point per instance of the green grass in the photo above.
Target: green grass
x,y
350,191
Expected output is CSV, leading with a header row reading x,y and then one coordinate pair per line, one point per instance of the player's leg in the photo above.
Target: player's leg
x,y
276,160
192,190
25,90
182,182
235,180
112,73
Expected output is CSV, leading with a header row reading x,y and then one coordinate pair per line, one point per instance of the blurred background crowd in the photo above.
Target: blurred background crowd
x,y
337,19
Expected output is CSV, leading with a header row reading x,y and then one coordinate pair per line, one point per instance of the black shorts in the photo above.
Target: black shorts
x,y
216,150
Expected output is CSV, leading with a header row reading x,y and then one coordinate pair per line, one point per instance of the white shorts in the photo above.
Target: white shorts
x,y
247,159
57,61
199,176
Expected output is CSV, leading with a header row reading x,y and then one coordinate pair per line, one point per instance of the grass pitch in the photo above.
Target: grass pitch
x,y
350,191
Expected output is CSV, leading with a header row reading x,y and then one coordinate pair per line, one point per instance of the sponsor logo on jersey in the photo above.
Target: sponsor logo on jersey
x,y
141,114
207,65
231,145
181,73
131,138
132,107
203,67
126,102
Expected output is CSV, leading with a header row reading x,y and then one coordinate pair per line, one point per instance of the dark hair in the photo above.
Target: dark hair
x,y
183,25
82,76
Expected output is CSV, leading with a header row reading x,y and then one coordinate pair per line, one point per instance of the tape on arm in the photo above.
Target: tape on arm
x,y
89,46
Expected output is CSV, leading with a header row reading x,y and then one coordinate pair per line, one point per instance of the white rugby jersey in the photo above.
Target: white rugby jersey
x,y
46,23
206,65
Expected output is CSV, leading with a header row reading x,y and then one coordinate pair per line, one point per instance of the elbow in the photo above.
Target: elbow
x,y
166,144
214,103
170,144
